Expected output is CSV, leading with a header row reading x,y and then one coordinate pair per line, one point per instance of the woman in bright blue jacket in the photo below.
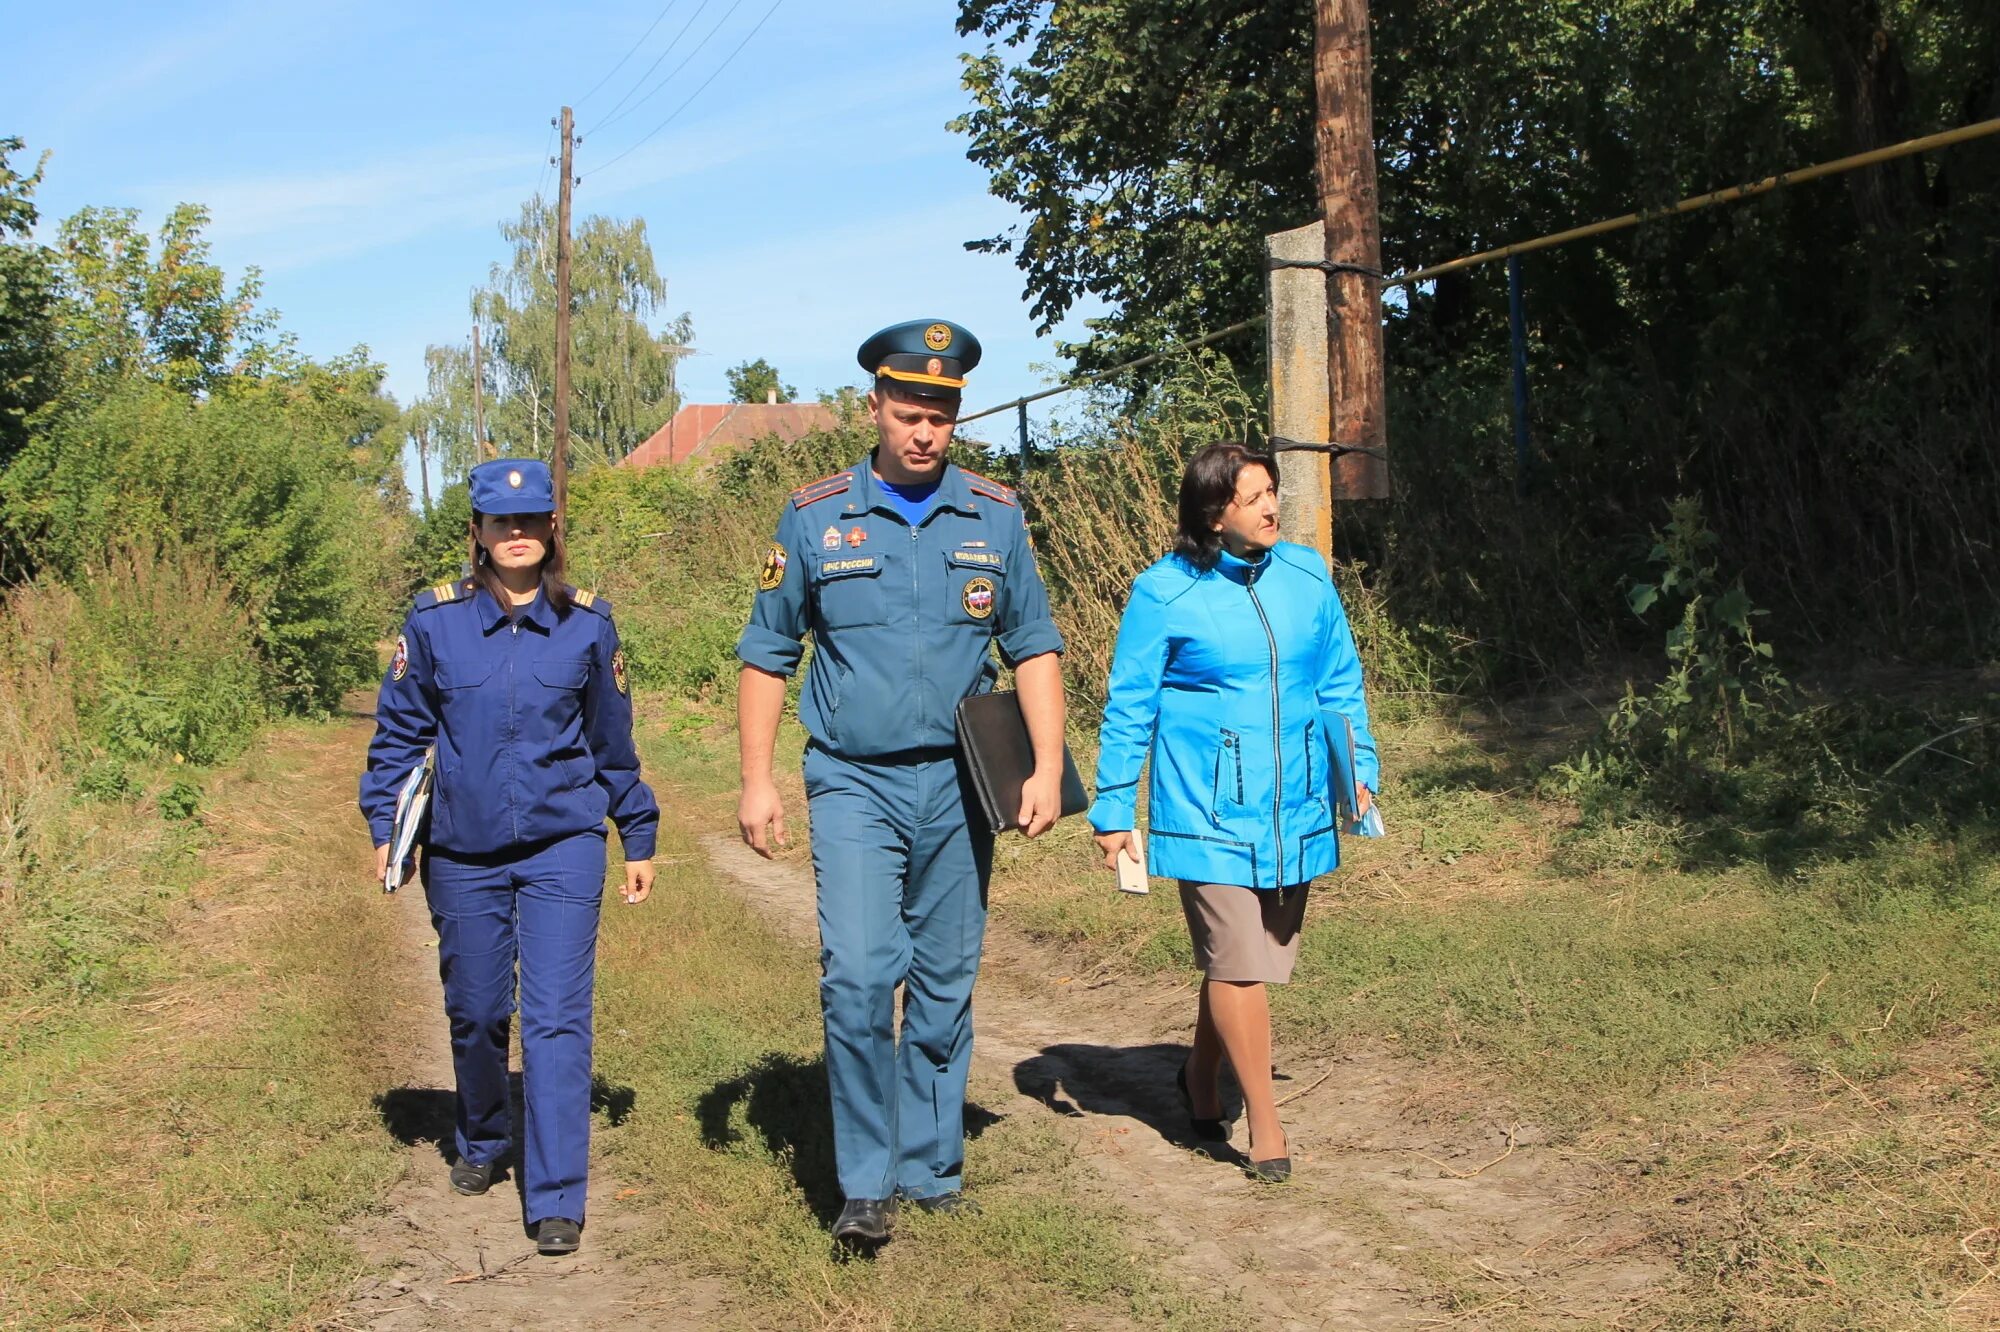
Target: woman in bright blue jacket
x,y
1235,673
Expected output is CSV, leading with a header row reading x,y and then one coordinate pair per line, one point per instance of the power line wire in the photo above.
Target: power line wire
x,y
675,113
629,53
614,115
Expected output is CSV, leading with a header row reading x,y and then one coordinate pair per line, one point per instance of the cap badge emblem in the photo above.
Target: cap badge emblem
x,y
934,366
937,337
514,479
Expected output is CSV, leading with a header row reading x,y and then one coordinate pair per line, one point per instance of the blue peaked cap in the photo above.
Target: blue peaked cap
x,y
513,485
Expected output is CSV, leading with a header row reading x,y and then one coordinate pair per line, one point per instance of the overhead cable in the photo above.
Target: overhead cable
x,y
614,115
629,53
698,91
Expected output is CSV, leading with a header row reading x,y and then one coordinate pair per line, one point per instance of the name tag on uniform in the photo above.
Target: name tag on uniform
x,y
976,559
843,568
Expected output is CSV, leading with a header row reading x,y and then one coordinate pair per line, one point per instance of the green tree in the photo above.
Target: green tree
x,y
28,364
1811,364
172,318
440,424
757,381
621,369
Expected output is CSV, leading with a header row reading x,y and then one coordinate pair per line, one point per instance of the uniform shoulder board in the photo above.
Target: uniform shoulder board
x,y
443,592
589,600
824,488
989,488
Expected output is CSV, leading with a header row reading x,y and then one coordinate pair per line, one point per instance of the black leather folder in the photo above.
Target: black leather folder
x,y
993,737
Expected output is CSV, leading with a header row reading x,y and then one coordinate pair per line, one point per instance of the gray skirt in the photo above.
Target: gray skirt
x,y
1243,934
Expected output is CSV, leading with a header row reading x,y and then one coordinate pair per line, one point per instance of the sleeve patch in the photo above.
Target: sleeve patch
x,y
774,568
618,671
399,664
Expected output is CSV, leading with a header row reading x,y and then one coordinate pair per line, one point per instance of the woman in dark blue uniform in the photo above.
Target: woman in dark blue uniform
x,y
518,681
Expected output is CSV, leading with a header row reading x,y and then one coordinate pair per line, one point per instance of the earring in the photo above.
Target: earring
x,y
481,557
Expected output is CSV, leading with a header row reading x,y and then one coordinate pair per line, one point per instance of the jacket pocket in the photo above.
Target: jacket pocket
x,y
848,590
568,675
1312,767
1228,793
461,672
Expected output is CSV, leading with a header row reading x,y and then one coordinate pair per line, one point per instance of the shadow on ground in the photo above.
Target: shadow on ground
x,y
1136,1081
784,1101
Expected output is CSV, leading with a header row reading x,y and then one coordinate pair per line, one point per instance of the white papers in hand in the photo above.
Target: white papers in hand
x,y
1132,868
411,803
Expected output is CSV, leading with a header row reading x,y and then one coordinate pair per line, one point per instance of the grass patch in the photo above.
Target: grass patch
x,y
184,1142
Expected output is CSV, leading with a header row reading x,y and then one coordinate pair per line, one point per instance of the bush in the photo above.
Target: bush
x,y
163,660
677,551
260,478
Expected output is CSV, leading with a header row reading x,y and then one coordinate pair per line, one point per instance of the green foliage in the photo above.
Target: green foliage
x,y
1815,364
125,313
756,381
441,424
162,660
1681,741
437,552
28,362
181,800
259,475
1720,678
621,371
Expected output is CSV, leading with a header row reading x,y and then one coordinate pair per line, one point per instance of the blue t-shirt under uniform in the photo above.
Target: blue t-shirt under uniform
x,y
913,502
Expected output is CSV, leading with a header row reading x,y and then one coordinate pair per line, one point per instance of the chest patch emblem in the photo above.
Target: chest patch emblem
x,y
979,597
830,539
618,671
774,569
855,536
399,664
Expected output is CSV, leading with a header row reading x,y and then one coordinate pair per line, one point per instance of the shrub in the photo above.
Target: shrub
x,y
260,477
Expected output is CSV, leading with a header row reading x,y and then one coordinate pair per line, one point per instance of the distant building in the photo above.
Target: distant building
x,y
700,434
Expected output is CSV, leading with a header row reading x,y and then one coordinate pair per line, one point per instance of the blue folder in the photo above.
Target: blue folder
x,y
1340,734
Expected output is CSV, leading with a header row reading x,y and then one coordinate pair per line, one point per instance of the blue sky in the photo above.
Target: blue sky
x,y
363,153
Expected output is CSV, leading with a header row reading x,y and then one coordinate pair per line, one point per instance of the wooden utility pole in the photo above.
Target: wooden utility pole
x,y
561,462
484,445
1344,143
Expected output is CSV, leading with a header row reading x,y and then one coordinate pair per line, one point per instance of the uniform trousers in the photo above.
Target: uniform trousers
x,y
536,905
902,860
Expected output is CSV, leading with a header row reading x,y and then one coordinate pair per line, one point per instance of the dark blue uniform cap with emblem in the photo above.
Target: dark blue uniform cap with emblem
x,y
513,485
927,358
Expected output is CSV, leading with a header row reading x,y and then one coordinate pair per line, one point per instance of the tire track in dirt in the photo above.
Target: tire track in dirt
x,y
1405,1211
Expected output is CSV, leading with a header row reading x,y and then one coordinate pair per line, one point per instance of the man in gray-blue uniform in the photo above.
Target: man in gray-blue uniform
x,y
907,571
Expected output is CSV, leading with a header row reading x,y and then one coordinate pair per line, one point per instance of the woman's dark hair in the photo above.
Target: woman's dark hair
x,y
554,589
1207,487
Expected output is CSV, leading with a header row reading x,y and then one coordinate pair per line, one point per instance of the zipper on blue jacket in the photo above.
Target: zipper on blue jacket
x,y
1277,738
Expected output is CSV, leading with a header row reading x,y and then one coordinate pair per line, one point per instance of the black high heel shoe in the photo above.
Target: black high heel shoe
x,y
1208,1130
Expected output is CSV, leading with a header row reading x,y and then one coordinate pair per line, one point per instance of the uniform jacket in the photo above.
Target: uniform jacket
x,y
1233,681
532,722
902,618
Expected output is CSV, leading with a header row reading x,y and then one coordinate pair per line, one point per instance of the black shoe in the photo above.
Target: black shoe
x,y
472,1180
1277,1170
949,1204
1208,1130
558,1236
865,1220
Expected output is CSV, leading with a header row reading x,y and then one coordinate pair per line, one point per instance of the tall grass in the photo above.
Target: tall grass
x,y
116,688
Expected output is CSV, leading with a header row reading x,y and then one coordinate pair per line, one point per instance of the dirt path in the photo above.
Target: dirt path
x,y
1406,1211
468,1264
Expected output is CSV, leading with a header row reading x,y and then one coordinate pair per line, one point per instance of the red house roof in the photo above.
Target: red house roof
x,y
702,433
